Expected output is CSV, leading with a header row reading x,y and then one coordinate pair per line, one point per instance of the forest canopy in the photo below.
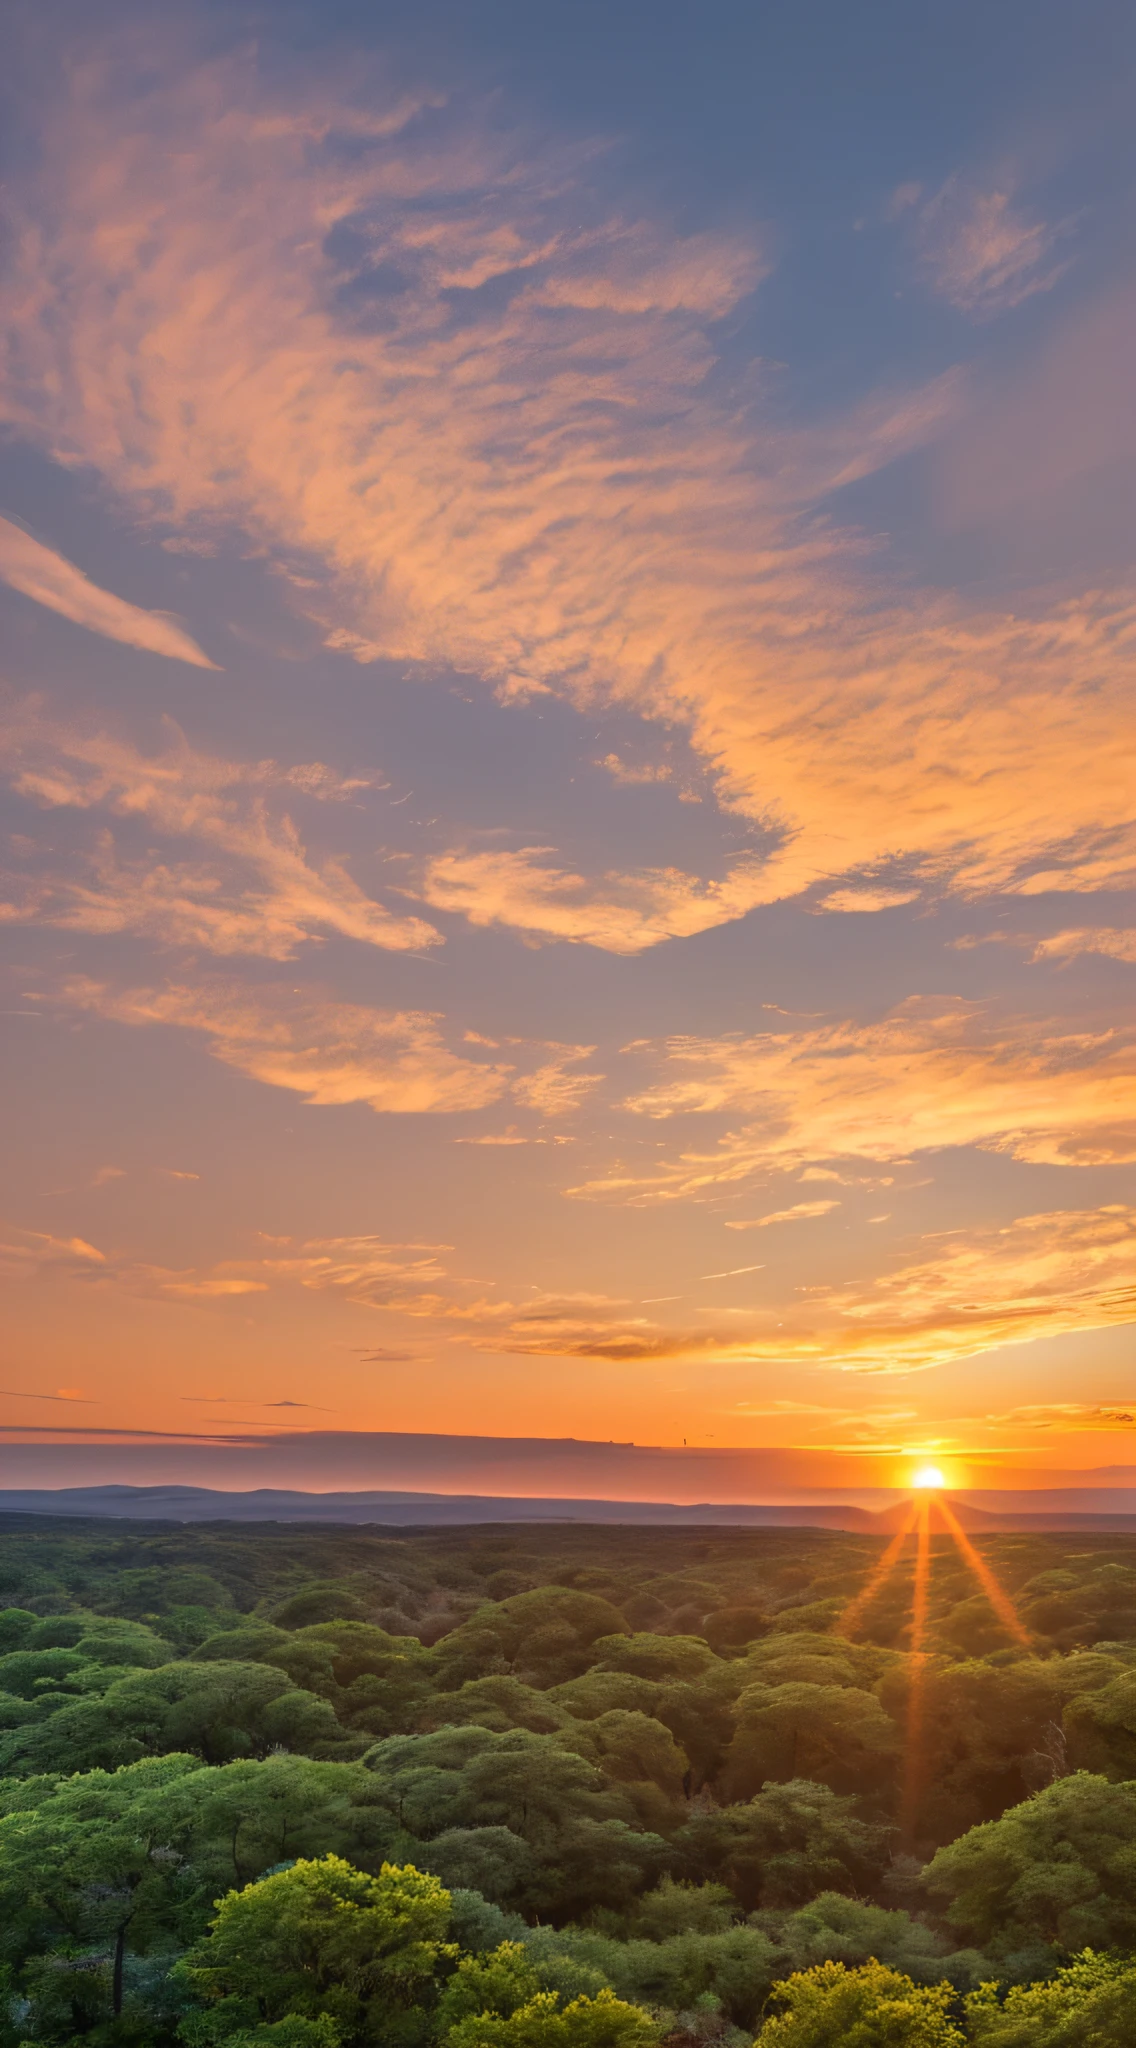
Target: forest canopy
x,y
561,1786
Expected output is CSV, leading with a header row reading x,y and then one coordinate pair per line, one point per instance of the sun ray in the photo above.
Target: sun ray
x,y
854,1612
999,1599
913,1772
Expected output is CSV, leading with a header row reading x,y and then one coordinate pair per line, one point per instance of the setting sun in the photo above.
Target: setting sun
x,y
928,1476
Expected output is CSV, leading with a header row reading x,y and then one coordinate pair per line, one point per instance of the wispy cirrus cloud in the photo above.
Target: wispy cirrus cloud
x,y
936,1072
553,1087
39,572
394,1061
952,1296
866,900
482,409
415,1281
367,1269
800,1212
34,1251
618,912
1041,1275
1066,1415
217,1288
258,892
963,1293
978,247
1110,941
332,1052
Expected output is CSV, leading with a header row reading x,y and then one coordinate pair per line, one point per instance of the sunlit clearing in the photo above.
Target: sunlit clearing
x,y
928,1475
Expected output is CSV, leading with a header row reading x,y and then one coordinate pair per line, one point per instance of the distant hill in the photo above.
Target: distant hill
x,y
424,1510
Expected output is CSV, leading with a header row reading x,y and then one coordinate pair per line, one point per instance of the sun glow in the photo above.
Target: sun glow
x,y
928,1476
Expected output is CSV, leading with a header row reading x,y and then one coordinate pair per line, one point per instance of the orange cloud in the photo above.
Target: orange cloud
x,y
366,1269
1067,1416
222,804
963,1293
209,1290
800,1212
36,1251
866,899
395,1061
552,1088
1110,942
967,1292
40,573
936,1072
235,320
1038,1276
621,913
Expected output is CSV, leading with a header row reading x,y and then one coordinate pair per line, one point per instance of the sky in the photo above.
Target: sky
x,y
569,830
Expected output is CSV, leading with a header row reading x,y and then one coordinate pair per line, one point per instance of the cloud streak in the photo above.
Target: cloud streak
x,y
978,248
425,360
259,894
40,573
1111,942
620,913
1039,1276
959,1295
800,1212
936,1072
953,1296
394,1061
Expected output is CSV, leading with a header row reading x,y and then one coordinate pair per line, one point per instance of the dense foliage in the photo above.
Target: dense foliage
x,y
559,1787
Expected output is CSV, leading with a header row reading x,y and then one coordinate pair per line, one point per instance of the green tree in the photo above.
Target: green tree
x,y
734,1628
872,2007
700,1715
599,1692
835,1734
86,1870
728,1970
577,1824
1060,1868
499,1703
836,1929
323,1938
808,1658
217,1711
290,2032
128,1862
497,1983
1089,2004
472,1777
667,1660
543,1637
986,1729
635,1751
493,1861
784,1846
678,1908
234,1821
1101,1728
604,2021
16,1624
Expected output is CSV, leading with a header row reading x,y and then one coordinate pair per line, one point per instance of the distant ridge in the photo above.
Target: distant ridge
x,y
430,1510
